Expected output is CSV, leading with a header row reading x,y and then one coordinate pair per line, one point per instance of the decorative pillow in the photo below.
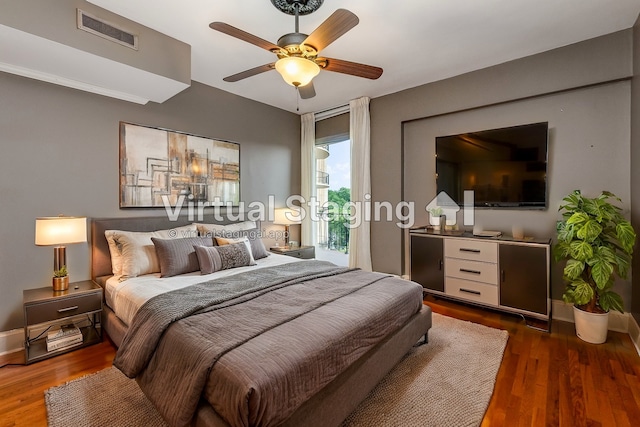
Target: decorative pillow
x,y
257,246
178,256
136,250
230,240
216,258
241,229
116,256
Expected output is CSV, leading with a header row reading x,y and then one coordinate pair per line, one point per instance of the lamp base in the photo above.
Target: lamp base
x,y
60,283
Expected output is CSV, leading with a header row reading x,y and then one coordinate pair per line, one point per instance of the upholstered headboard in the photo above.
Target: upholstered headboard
x,y
100,257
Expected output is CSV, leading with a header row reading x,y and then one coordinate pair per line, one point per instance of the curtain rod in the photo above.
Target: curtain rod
x,y
331,112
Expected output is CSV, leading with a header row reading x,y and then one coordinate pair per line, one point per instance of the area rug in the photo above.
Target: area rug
x,y
447,382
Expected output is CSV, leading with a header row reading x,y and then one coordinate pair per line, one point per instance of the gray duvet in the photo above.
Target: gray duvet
x,y
257,345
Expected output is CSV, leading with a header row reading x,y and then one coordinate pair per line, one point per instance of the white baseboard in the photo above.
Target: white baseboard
x,y
11,341
618,322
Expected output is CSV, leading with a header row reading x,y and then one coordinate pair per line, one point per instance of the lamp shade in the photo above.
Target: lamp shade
x,y
60,230
287,216
297,71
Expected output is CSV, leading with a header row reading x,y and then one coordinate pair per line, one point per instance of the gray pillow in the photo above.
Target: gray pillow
x,y
257,246
216,258
177,256
253,235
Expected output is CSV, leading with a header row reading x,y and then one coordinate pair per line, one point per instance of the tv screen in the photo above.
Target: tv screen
x,y
505,168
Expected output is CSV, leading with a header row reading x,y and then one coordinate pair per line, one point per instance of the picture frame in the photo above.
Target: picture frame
x,y
162,168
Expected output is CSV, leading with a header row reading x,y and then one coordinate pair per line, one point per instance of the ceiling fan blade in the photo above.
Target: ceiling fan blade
x,y
250,72
307,91
352,68
333,27
243,35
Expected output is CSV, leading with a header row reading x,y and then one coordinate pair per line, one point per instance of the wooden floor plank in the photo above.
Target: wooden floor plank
x,y
544,380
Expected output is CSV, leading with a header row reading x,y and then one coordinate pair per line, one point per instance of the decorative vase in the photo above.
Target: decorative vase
x,y
591,327
61,283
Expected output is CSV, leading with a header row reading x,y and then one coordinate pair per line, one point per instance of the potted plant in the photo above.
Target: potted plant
x,y
435,214
596,242
61,279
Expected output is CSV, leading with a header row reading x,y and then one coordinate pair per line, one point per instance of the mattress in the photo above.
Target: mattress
x,y
127,296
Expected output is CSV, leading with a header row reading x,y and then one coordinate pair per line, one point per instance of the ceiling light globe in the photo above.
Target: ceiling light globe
x,y
297,71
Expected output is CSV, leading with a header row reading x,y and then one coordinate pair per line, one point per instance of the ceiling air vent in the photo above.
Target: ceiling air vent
x,y
94,25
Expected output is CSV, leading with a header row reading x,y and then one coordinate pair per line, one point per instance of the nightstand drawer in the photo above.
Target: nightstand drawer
x,y
64,307
302,253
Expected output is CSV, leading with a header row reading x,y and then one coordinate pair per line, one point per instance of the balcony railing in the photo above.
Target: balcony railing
x,y
322,178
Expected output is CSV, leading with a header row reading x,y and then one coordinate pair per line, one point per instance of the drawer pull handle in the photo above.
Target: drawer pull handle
x,y
475,251
63,310
469,291
465,270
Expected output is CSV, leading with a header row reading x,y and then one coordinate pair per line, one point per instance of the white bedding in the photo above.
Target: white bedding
x,y
126,297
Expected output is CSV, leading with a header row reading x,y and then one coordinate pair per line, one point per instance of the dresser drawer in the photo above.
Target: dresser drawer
x,y
471,270
474,250
64,307
471,291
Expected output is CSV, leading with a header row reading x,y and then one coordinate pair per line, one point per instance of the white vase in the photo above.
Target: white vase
x,y
591,327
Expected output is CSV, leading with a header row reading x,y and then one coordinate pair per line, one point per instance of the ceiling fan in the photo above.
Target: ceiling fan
x,y
298,61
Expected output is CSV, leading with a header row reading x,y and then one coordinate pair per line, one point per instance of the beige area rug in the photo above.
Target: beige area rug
x,y
447,382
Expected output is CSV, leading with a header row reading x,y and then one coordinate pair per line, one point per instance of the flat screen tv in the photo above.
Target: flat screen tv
x,y
505,168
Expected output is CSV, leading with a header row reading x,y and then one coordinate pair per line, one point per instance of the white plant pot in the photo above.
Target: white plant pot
x,y
591,327
435,222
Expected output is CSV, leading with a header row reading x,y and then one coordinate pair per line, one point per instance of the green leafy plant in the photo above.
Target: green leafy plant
x,y
436,211
597,243
62,272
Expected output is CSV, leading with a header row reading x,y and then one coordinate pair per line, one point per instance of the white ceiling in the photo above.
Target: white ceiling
x,y
414,41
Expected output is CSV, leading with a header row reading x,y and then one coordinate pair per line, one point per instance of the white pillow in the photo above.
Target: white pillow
x,y
116,256
135,253
228,240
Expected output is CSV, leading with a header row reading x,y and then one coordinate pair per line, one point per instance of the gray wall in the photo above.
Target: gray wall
x,y
635,159
521,83
56,20
60,155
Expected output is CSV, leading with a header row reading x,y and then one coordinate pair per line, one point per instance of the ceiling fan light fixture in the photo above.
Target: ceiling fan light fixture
x,y
297,71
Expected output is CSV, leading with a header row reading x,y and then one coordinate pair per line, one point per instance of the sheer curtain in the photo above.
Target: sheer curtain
x,y
308,179
360,237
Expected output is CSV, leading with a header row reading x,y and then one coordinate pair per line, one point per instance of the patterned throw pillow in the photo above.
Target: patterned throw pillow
x,y
216,258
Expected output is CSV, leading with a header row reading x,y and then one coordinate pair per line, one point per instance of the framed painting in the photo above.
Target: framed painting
x,y
160,167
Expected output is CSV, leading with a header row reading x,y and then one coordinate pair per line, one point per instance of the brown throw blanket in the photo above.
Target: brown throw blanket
x,y
176,338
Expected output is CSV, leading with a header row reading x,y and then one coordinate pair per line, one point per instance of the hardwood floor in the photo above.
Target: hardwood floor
x,y
545,379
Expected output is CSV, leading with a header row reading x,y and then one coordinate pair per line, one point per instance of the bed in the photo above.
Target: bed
x,y
298,323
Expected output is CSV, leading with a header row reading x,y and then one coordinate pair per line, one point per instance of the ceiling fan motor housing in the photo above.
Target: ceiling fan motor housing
x,y
292,43
304,7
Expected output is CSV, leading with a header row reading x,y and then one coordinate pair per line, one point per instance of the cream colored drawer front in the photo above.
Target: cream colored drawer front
x,y
472,291
471,270
471,249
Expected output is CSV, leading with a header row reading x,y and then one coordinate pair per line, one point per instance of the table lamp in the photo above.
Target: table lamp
x,y
59,231
287,217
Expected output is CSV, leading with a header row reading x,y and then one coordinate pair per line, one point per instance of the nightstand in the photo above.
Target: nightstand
x,y
45,309
303,252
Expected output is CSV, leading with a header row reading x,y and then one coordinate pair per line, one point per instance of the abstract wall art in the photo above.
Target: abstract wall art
x,y
160,167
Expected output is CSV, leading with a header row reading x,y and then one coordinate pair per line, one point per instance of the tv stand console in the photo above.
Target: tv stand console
x,y
500,273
